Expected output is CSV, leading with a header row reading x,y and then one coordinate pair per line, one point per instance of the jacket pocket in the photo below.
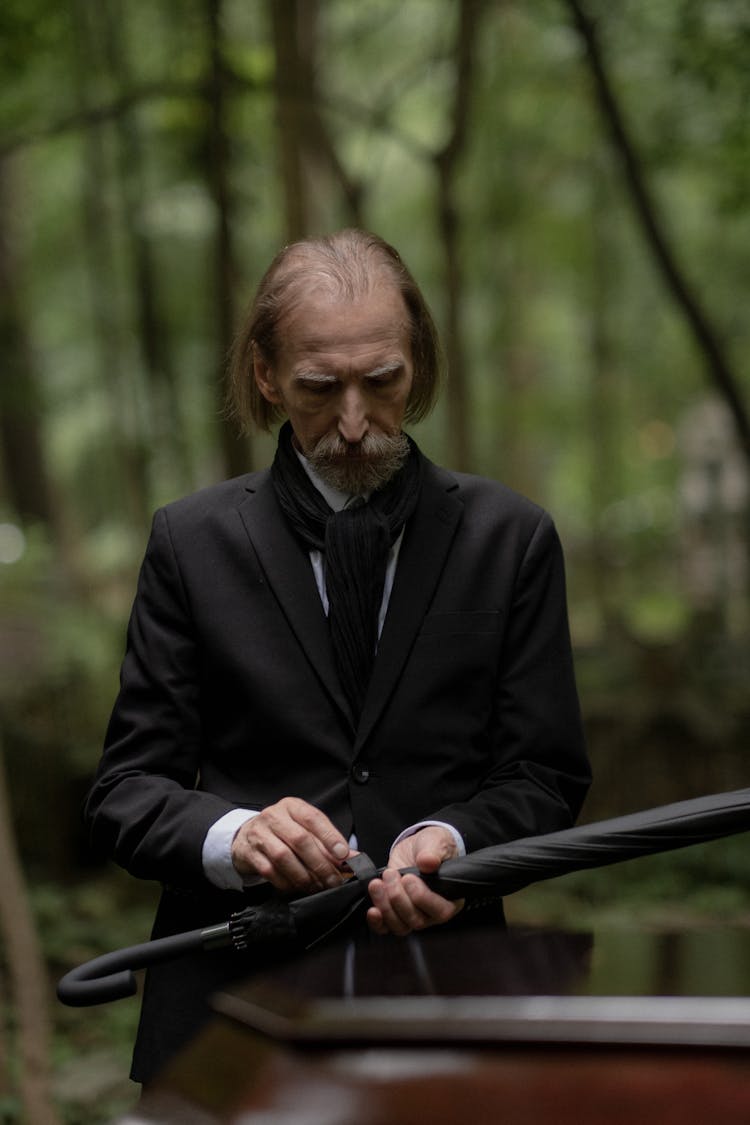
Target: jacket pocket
x,y
466,622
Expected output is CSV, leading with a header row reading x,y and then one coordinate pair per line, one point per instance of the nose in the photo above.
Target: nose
x,y
353,422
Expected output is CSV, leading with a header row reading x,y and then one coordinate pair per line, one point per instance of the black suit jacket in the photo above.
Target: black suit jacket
x,y
229,695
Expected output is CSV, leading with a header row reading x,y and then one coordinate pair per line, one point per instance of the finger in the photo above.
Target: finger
x,y
313,838
309,849
375,921
319,826
429,907
426,860
261,852
258,849
426,849
406,904
429,858
283,835
391,897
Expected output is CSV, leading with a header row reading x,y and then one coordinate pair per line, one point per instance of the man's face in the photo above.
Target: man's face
x,y
343,377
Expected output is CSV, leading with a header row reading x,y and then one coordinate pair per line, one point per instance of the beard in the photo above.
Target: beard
x,y
361,467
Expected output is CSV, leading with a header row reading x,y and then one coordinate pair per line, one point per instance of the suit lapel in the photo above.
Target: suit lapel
x,y
287,569
427,540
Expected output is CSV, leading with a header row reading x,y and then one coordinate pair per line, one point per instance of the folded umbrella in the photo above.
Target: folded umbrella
x,y
500,870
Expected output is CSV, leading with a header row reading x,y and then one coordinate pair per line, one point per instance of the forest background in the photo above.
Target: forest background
x,y
569,183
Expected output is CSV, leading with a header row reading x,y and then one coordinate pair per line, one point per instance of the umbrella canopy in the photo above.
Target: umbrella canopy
x,y
500,870
509,867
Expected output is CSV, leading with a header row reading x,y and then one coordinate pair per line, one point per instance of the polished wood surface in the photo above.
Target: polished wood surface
x,y
238,1078
326,1039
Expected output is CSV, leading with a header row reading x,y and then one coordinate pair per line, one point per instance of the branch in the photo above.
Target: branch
x,y
645,206
98,115
378,118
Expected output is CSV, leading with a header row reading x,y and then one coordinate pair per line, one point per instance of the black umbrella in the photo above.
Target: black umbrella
x,y
500,870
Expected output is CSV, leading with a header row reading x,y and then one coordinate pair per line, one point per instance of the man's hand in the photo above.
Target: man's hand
x,y
402,903
293,845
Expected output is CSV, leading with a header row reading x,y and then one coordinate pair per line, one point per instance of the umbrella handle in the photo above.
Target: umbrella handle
x,y
92,983
111,976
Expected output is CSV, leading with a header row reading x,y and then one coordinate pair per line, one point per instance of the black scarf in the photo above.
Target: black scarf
x,y
355,543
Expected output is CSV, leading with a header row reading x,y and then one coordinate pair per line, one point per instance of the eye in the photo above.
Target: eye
x,y
384,379
317,387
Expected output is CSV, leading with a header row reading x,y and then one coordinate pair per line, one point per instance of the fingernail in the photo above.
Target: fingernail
x,y
333,881
341,851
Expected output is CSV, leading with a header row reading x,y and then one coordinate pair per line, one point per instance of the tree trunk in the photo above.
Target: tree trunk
x,y
519,460
236,451
603,406
307,154
130,469
289,88
5,1085
447,161
27,976
24,463
164,393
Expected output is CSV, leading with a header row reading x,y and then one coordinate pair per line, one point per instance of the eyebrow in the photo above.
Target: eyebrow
x,y
311,375
385,369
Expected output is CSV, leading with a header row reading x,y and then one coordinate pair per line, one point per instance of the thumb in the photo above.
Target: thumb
x,y
431,853
429,860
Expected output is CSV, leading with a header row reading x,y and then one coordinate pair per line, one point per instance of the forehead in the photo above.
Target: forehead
x,y
324,322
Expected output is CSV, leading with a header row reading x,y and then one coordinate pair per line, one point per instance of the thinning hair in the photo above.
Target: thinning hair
x,y
350,262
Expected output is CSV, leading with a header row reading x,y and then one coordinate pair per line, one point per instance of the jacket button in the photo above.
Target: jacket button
x,y
361,773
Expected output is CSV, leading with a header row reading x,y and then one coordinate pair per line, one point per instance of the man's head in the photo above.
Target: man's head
x,y
340,340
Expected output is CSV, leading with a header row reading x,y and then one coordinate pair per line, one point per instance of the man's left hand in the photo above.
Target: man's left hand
x,y
403,903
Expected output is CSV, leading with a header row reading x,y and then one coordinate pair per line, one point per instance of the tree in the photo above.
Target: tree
x,y
653,228
309,165
236,451
21,439
447,161
28,981
153,337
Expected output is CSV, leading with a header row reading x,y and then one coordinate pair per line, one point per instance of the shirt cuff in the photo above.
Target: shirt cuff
x,y
217,851
458,838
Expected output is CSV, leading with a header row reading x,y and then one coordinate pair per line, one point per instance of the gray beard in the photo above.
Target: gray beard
x,y
361,468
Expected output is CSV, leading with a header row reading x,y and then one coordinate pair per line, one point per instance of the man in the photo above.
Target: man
x,y
353,650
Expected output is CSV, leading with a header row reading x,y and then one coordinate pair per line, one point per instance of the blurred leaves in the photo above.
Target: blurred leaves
x,y
582,372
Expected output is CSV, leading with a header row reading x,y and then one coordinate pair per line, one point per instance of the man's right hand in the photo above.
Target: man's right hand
x,y
293,845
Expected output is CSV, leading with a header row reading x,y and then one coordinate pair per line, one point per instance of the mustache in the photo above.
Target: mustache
x,y
359,467
372,447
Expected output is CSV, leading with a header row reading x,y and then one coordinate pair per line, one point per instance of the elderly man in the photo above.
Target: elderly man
x,y
352,650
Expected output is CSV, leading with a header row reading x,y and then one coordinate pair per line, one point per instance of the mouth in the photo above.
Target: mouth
x,y
354,452
353,455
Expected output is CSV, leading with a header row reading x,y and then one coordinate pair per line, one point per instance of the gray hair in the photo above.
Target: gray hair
x,y
351,261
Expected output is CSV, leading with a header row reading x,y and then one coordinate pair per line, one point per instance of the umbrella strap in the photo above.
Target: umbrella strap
x,y
362,867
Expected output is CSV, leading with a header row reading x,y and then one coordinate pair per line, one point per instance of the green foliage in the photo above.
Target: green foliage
x,y
581,369
91,1046
708,884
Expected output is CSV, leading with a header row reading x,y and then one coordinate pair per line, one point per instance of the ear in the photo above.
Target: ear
x,y
264,378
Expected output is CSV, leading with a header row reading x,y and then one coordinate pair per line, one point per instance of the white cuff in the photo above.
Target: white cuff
x,y
217,851
458,838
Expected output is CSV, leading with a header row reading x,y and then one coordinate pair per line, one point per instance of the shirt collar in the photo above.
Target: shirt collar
x,y
335,499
